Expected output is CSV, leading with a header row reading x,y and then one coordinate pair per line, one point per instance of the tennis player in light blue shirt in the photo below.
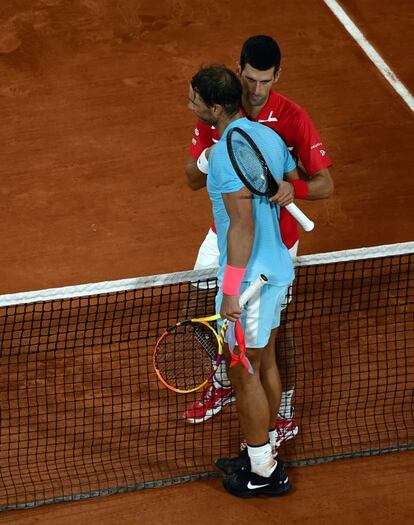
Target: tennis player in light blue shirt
x,y
250,244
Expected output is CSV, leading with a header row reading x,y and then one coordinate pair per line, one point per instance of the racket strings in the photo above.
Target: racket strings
x,y
186,354
249,164
205,340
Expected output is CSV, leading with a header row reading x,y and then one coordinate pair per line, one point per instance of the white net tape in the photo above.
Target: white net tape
x,y
194,275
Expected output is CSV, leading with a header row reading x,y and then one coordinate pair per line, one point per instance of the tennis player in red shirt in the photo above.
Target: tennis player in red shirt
x,y
259,69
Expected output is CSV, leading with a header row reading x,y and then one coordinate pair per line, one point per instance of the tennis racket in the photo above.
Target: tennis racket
x,y
187,355
251,168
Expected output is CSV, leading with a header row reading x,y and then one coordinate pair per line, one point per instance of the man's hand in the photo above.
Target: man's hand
x,y
284,195
230,308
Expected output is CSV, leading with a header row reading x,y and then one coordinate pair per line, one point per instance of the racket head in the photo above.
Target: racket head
x,y
249,163
187,355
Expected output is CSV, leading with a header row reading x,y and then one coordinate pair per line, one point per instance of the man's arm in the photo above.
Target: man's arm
x,y
240,239
314,162
320,186
201,143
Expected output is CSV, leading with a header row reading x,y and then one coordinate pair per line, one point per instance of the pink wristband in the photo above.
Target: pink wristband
x,y
301,188
232,279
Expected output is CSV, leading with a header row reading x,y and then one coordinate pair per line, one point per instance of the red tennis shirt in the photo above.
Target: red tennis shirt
x,y
293,124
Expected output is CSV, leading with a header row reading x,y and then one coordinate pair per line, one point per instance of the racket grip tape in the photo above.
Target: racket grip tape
x,y
302,219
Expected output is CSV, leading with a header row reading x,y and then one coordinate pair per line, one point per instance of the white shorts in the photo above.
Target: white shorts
x,y
208,253
260,315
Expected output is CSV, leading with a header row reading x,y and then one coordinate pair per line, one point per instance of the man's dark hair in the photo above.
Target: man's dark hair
x,y
216,84
261,52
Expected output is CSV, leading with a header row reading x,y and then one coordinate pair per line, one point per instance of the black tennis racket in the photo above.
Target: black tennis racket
x,y
251,168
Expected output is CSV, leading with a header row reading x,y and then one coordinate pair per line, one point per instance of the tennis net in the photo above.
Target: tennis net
x,y
82,413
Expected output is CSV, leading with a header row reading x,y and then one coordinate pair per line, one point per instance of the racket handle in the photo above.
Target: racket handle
x,y
302,219
252,289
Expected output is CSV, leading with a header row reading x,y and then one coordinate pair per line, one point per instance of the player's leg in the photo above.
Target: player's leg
x,y
285,424
218,393
257,396
270,380
251,400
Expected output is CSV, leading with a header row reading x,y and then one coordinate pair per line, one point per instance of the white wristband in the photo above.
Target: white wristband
x,y
202,162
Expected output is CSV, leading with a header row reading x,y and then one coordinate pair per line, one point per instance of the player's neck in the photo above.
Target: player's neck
x,y
225,121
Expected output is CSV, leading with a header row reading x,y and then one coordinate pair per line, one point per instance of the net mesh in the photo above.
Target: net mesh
x,y
83,414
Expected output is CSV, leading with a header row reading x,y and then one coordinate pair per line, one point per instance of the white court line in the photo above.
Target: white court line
x,y
371,52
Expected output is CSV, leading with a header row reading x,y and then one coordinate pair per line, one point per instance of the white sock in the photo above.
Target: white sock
x,y
286,409
220,378
261,459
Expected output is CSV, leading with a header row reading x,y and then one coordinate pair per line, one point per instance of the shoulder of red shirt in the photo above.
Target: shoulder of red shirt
x,y
296,128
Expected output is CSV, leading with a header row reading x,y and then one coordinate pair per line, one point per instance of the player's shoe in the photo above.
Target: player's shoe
x,y
211,401
286,428
246,484
231,465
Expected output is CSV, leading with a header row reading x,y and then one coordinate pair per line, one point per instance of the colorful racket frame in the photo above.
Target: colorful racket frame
x,y
205,321
215,359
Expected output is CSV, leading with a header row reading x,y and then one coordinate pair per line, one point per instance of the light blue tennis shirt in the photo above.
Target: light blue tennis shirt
x,y
269,255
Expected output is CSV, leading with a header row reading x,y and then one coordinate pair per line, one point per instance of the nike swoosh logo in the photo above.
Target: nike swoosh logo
x,y
252,487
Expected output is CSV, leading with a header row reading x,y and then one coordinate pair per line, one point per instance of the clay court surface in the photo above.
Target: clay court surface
x,y
94,136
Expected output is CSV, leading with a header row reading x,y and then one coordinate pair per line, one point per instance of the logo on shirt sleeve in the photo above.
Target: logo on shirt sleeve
x,y
321,151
